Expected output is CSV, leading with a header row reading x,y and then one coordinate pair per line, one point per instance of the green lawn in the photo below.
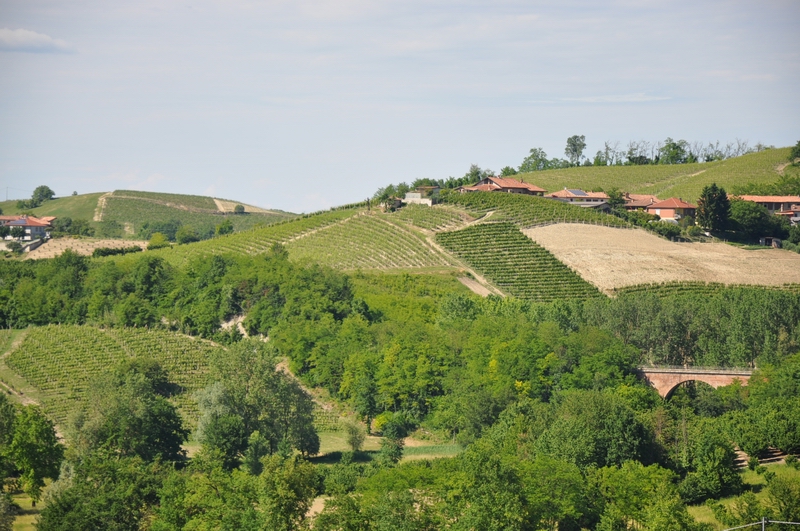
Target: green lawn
x,y
75,207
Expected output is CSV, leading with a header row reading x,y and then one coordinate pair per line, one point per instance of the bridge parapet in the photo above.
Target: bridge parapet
x,y
666,379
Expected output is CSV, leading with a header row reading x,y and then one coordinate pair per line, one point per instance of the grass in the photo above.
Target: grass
x,y
516,264
27,520
752,482
73,206
678,180
435,218
188,201
333,444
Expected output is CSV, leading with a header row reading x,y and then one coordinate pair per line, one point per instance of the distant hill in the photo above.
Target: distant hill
x,y
122,213
670,180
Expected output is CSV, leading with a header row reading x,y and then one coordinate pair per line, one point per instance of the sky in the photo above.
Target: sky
x,y
301,105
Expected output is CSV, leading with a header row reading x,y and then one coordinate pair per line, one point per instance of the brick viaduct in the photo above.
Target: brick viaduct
x,y
665,380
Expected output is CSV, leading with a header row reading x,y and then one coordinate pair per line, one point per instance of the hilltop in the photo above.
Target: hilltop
x,y
124,213
671,180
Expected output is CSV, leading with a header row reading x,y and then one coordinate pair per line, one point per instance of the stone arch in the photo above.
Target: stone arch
x,y
666,380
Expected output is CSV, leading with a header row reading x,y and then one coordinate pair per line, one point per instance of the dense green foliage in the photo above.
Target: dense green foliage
x,y
713,208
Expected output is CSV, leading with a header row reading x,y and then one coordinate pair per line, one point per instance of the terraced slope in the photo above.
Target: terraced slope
x,y
526,211
256,240
435,218
669,180
368,241
61,361
514,263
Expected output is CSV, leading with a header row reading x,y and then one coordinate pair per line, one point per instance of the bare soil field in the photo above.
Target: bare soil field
x,y
228,206
612,258
81,246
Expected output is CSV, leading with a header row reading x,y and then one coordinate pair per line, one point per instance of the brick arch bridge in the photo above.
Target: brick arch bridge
x,y
666,379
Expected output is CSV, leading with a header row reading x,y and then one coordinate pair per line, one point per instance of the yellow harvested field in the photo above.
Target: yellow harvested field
x,y
612,258
82,246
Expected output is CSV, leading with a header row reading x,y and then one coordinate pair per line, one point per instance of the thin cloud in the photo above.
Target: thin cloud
x,y
639,97
22,40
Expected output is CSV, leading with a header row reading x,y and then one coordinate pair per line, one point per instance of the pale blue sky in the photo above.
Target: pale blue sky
x,y
305,105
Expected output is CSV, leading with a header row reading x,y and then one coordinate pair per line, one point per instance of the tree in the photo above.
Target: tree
x,y
615,198
226,227
750,218
535,161
713,208
238,209
17,232
7,415
355,436
42,194
673,152
574,150
157,241
128,412
795,153
35,450
186,234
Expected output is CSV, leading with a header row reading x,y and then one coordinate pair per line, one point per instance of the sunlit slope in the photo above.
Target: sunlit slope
x,y
514,263
73,206
677,180
370,241
62,360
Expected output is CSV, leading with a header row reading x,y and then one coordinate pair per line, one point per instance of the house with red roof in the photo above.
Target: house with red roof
x,y
639,201
673,208
35,228
503,184
781,205
581,198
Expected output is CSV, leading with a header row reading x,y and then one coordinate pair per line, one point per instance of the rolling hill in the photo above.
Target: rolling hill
x,y
677,180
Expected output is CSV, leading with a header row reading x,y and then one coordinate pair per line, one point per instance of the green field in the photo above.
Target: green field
x,y
178,200
73,206
60,361
668,180
436,218
515,264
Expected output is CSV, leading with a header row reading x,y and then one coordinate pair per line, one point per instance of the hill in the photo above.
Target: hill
x,y
61,360
670,180
612,258
123,213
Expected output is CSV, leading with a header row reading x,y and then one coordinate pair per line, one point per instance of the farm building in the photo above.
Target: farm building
x,y
781,205
581,198
639,201
503,184
422,195
673,208
35,228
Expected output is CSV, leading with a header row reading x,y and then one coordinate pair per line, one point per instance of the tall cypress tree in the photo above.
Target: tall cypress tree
x,y
713,208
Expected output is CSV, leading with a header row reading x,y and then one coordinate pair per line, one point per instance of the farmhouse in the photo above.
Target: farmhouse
x,y
673,208
639,201
581,198
35,228
503,184
423,195
781,205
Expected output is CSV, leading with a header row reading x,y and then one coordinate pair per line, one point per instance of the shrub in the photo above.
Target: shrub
x,y
111,251
238,209
355,436
157,241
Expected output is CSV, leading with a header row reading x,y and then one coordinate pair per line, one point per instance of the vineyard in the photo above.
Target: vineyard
x,y
526,211
137,211
177,200
436,218
62,360
514,263
667,180
368,242
669,289
256,240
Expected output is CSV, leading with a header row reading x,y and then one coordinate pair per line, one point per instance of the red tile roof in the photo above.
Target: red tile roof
x,y
580,194
672,202
770,198
498,183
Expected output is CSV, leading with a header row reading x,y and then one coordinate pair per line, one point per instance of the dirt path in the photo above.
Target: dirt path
x,y
781,167
613,258
101,206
